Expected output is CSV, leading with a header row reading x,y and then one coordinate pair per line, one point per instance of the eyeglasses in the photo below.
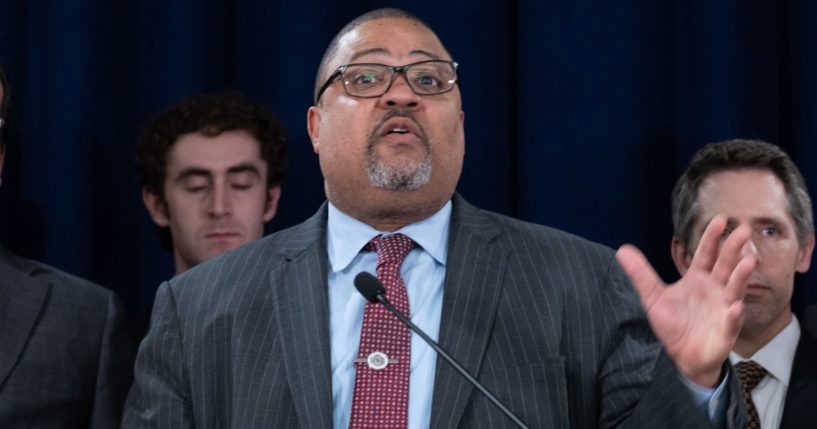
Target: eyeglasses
x,y
429,77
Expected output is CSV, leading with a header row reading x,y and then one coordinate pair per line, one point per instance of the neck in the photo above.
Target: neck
x,y
390,210
181,265
390,219
750,341
393,222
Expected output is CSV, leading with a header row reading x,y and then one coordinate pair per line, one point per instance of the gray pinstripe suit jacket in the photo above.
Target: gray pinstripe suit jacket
x,y
65,358
545,319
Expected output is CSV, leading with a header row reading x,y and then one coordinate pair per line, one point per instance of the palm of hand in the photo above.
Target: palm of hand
x,y
698,318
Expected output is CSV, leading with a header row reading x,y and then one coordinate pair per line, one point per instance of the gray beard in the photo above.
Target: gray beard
x,y
406,177
399,178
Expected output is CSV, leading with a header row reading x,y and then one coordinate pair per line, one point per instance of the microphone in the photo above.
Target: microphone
x,y
371,289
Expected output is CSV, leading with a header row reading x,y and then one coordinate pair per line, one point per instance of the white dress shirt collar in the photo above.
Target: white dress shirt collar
x,y
777,356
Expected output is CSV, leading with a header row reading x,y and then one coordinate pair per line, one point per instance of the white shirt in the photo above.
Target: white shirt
x,y
423,271
777,356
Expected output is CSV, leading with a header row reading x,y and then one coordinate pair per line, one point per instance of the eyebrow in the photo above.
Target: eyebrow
x,y
244,167
767,221
755,221
383,51
192,172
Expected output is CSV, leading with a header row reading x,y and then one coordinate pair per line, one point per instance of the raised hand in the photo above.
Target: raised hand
x,y
698,318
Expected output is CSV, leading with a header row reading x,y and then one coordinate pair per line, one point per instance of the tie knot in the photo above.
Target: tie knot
x,y
750,373
391,249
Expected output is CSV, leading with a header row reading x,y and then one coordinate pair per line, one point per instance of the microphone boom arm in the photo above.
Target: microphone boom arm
x,y
382,299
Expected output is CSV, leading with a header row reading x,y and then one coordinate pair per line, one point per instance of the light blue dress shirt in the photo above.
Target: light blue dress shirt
x,y
423,272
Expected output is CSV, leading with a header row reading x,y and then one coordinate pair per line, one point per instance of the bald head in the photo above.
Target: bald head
x,y
332,49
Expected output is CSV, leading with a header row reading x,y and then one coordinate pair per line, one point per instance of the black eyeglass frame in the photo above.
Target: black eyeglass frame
x,y
394,70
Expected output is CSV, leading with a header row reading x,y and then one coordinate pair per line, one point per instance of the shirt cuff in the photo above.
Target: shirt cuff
x,y
710,399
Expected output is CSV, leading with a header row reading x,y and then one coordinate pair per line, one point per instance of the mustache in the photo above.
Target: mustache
x,y
402,113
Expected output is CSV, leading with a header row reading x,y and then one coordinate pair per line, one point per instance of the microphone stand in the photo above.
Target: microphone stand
x,y
382,299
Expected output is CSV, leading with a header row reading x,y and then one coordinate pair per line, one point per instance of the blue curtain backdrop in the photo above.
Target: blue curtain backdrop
x,y
579,114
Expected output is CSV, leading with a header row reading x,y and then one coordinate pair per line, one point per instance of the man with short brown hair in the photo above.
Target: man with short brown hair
x,y
755,183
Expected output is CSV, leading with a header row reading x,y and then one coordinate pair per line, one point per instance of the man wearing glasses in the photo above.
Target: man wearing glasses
x,y
275,334
65,359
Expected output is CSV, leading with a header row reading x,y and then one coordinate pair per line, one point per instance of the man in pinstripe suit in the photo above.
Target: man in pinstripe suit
x,y
266,336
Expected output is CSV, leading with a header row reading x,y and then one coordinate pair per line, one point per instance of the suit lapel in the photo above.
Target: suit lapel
x,y
473,285
21,302
800,396
299,292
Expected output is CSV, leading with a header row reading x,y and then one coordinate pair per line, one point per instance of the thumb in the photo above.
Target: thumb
x,y
647,283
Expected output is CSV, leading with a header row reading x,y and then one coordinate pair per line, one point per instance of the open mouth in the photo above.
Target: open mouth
x,y
399,125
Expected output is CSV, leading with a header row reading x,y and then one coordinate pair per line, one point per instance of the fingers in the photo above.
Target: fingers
x,y
734,321
707,251
730,254
641,273
738,281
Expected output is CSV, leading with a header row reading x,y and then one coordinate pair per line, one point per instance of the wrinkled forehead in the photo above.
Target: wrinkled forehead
x,y
393,41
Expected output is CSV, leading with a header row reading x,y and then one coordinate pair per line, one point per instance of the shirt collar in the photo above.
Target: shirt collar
x,y
346,236
777,356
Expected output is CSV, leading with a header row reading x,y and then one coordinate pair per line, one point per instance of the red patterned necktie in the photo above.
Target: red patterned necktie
x,y
750,373
382,367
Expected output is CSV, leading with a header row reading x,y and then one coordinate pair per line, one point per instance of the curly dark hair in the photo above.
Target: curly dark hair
x,y
210,114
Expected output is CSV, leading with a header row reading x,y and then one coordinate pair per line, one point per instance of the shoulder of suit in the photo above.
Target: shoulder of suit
x,y
479,219
517,230
808,335
26,279
808,324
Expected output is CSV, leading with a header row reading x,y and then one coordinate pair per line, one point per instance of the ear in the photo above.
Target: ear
x,y
680,256
156,207
804,257
313,126
272,202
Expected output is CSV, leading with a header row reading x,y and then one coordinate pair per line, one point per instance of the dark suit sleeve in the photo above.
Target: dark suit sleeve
x,y
160,396
115,370
640,384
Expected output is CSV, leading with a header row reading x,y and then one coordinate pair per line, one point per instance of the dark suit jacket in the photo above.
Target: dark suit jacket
x,y
65,361
801,396
544,319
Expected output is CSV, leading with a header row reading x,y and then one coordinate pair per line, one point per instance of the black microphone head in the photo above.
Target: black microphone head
x,y
369,286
